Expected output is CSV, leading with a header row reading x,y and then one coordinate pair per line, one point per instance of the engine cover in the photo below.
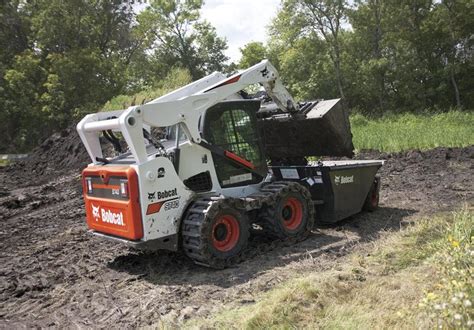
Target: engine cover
x,y
111,198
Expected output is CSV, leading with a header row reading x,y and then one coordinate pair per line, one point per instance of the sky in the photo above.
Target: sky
x,y
240,21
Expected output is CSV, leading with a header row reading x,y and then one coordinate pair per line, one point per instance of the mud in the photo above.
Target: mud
x,y
54,274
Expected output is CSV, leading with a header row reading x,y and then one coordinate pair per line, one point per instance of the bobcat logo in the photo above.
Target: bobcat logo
x,y
95,212
151,196
343,179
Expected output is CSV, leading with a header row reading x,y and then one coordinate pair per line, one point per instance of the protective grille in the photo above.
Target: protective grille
x,y
232,126
235,132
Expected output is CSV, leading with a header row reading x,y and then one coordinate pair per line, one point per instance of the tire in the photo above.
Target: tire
x,y
216,236
291,215
372,200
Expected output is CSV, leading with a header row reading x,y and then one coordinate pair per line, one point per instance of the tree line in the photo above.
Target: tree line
x,y
379,55
61,59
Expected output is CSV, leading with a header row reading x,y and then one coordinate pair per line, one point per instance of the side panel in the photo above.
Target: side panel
x,y
163,196
350,188
196,159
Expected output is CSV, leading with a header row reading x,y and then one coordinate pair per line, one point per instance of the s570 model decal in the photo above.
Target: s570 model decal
x,y
172,203
107,215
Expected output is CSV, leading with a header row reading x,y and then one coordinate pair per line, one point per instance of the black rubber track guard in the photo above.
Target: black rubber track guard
x,y
271,216
198,220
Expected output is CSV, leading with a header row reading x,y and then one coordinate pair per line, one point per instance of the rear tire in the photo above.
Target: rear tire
x,y
373,197
215,235
292,213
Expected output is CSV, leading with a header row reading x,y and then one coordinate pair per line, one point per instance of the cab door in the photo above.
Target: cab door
x,y
231,127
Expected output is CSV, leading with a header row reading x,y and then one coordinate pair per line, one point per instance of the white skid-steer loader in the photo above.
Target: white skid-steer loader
x,y
226,163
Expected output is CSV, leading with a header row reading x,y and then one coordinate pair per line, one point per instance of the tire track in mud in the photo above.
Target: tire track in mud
x,y
55,274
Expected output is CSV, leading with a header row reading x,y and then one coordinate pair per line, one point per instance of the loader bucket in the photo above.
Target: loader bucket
x,y
325,131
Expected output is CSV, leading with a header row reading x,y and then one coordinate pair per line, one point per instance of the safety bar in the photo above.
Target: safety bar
x,y
102,125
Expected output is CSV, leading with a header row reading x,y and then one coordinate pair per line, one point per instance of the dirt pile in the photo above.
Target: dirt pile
x,y
436,178
59,154
54,274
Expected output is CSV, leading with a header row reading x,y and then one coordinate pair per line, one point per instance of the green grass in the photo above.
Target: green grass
x,y
451,301
394,133
399,282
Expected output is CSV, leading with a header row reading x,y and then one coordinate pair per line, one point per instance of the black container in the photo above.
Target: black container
x,y
338,188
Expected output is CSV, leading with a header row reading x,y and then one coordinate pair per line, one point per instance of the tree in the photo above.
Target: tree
x,y
22,88
252,53
62,59
301,55
177,36
325,18
367,50
450,27
14,29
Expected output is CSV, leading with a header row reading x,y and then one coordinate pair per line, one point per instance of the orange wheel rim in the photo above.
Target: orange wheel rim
x,y
292,213
225,233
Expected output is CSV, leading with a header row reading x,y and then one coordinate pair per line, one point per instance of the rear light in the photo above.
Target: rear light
x,y
124,188
89,185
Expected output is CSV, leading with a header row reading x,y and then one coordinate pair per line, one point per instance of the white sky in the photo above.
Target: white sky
x,y
240,21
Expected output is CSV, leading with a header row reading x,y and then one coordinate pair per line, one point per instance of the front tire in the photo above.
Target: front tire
x,y
214,235
291,214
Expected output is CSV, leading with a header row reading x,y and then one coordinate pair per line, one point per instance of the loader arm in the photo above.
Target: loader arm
x,y
185,107
191,108
263,73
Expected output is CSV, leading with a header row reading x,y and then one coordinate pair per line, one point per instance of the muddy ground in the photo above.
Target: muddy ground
x,y
55,274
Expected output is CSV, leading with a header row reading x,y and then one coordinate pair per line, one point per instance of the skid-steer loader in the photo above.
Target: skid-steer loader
x,y
207,182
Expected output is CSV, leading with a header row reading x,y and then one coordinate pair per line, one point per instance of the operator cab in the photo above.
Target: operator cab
x,y
230,128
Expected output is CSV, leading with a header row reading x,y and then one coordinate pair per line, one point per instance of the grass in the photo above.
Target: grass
x,y
451,301
394,133
402,281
